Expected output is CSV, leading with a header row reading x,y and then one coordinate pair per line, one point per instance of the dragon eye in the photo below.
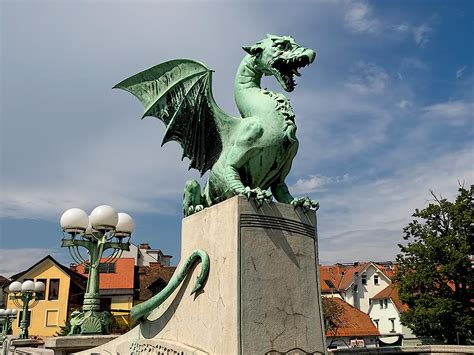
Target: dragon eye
x,y
283,46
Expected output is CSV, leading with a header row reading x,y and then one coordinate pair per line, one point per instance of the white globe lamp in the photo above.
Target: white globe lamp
x,y
28,286
39,286
125,225
103,218
74,220
15,286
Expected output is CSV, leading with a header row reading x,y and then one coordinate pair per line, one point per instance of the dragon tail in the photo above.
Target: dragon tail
x,y
144,309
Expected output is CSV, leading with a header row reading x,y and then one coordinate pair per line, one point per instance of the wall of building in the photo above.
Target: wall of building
x,y
121,303
120,309
370,289
144,255
383,312
345,342
48,315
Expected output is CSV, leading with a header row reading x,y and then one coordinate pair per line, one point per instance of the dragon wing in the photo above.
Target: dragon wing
x,y
179,93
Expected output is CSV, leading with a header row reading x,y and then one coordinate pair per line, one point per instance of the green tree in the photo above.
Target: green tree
x,y
435,274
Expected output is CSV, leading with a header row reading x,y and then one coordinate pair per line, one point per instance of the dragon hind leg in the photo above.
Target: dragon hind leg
x,y
193,201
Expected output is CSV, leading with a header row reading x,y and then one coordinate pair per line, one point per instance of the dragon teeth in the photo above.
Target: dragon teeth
x,y
295,71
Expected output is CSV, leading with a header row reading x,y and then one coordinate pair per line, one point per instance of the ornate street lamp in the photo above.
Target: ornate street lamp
x,y
25,295
103,230
6,319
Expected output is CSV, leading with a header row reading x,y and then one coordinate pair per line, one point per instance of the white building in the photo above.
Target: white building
x,y
144,255
385,310
355,283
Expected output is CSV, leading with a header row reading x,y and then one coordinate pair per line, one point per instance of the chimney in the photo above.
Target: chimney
x,y
355,294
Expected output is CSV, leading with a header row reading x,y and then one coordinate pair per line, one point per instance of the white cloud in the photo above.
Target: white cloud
x,y
337,123
368,78
460,72
13,261
359,18
131,181
360,245
412,63
421,34
404,104
316,183
365,221
402,27
455,113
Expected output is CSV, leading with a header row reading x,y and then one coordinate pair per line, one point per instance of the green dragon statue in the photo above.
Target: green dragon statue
x,y
246,155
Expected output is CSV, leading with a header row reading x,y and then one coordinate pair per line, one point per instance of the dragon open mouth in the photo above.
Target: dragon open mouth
x,y
285,70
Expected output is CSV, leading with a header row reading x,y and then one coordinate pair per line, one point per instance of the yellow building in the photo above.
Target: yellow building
x,y
117,289
64,291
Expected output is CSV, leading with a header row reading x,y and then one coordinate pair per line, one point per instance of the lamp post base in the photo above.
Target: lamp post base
x,y
89,322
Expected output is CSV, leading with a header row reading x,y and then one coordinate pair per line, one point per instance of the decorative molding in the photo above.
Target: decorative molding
x,y
279,223
161,347
51,311
294,351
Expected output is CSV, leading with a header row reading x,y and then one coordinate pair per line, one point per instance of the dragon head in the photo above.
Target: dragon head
x,y
281,57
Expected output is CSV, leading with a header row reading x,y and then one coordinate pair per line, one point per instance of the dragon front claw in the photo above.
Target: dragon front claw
x,y
260,196
194,209
305,203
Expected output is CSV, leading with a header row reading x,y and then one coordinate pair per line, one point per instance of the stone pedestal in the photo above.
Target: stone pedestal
x,y
261,296
68,344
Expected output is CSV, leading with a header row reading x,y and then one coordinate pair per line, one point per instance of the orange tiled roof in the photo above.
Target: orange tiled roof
x,y
348,276
339,277
354,322
391,292
330,278
122,278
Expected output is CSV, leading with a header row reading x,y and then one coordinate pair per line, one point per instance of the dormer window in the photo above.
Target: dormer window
x,y
376,280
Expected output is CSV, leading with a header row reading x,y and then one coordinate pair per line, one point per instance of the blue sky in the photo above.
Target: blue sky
x,y
384,114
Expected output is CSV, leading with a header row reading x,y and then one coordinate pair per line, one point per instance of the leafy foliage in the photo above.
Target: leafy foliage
x,y
64,329
333,316
435,275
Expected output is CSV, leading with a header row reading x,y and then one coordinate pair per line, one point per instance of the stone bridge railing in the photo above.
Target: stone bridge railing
x,y
422,349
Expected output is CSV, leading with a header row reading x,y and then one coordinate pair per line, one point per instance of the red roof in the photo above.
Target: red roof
x,y
122,278
353,322
391,292
339,277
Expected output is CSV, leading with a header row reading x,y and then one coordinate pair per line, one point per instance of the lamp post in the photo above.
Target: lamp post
x,y
104,229
6,318
25,296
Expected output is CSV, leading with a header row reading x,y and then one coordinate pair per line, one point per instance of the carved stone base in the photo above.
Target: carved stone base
x,y
262,293
89,322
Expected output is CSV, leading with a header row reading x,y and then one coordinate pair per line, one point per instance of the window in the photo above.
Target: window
x,y
329,283
392,321
376,322
40,295
364,279
52,318
381,304
376,280
104,268
385,303
53,292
